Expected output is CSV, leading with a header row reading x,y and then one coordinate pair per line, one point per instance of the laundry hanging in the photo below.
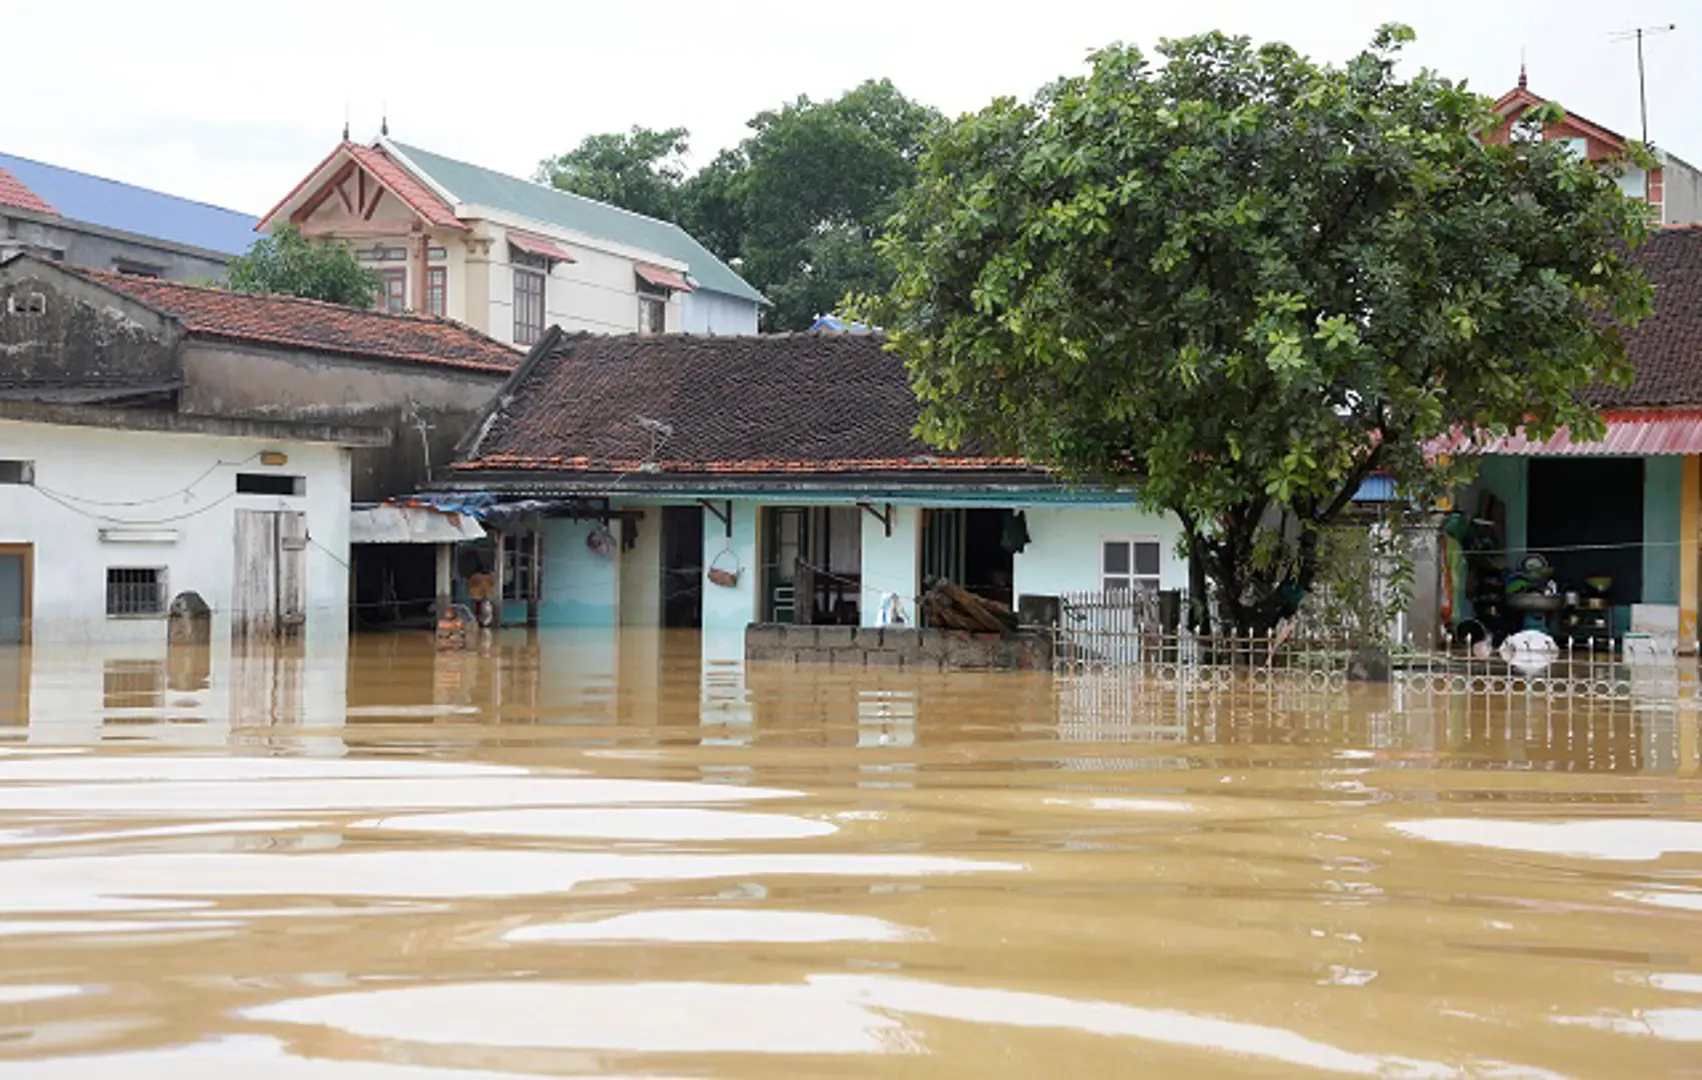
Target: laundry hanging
x,y
1013,532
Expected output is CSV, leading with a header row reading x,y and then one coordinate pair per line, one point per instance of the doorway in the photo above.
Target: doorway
x,y
682,567
270,594
1585,515
16,570
970,548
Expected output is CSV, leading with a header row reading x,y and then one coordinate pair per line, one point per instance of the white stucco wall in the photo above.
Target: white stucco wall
x,y
705,312
1064,553
98,471
597,292
891,563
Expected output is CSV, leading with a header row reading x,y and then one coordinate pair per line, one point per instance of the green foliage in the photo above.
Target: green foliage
x,y
289,264
796,207
640,170
1365,577
1243,282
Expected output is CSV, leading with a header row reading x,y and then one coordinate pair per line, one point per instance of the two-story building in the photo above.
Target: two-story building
x,y
508,256
69,216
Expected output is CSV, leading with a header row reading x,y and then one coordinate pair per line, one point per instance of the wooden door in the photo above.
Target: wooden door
x,y
15,572
270,594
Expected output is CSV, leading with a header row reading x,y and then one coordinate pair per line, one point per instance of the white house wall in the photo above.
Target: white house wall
x,y
1065,548
136,479
706,312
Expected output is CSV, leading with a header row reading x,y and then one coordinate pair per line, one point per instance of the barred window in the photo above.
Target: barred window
x,y
135,590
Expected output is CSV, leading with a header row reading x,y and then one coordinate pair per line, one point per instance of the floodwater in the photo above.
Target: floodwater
x,y
563,855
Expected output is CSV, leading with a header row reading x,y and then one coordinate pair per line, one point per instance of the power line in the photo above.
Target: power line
x,y
184,490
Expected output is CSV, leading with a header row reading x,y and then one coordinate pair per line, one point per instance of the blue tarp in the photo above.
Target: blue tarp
x,y
82,197
834,324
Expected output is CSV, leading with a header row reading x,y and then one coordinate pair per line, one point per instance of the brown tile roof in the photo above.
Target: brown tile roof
x,y
419,198
786,404
311,324
14,193
1666,348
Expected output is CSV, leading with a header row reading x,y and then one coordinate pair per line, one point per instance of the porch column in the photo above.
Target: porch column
x,y
498,585
445,578
1689,572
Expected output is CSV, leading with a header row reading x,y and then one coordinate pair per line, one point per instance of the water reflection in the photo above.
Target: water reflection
x,y
569,853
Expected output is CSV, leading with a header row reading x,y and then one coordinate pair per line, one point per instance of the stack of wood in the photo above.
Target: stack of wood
x,y
952,607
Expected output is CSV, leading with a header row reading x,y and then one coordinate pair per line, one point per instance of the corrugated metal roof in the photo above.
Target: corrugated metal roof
x,y
1629,434
132,209
391,524
483,187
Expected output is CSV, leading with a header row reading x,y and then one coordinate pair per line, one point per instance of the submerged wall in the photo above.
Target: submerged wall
x,y
899,647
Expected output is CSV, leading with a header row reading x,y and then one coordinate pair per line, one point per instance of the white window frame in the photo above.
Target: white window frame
x,y
1130,580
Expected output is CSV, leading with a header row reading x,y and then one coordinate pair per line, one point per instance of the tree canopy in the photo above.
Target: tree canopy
x,y
288,263
1241,282
640,170
795,207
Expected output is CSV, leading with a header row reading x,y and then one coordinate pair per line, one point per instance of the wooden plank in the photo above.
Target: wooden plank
x,y
253,593
291,563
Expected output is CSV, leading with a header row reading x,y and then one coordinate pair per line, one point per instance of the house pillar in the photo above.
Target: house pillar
x,y
445,578
1690,551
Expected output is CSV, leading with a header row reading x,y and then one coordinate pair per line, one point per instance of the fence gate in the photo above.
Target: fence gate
x,y
270,594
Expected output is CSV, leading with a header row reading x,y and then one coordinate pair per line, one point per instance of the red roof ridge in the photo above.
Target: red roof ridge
x,y
387,171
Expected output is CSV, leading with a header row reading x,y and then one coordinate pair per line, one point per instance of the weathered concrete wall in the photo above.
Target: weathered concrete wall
x,y
98,248
427,407
898,647
58,330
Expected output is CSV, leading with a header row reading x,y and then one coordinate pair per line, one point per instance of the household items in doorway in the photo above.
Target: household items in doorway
x,y
891,611
600,540
952,607
724,569
1013,532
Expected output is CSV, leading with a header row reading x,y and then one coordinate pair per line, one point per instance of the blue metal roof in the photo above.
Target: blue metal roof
x,y
99,201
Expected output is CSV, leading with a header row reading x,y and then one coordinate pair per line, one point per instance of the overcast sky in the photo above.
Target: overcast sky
x,y
233,102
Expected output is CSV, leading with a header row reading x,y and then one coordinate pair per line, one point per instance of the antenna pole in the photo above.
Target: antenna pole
x,y
1642,91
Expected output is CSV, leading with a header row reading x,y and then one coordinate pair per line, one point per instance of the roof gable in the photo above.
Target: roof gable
x,y
312,325
344,175
688,405
126,207
476,186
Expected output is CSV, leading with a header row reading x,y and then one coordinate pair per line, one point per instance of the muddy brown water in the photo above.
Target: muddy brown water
x,y
567,854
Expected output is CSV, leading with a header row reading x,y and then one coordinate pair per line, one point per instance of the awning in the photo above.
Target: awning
x,y
390,524
537,245
664,279
1629,434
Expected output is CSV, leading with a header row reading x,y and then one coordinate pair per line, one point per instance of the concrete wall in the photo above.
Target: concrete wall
x,y
231,380
1065,554
1681,196
891,564
641,572
1663,481
705,312
89,479
83,244
901,647
57,329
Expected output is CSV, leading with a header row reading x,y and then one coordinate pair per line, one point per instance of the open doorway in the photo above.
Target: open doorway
x,y
970,548
682,566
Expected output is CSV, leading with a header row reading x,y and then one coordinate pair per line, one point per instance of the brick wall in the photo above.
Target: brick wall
x,y
899,647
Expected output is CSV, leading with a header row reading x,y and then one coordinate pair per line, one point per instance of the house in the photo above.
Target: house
x,y
102,224
1673,188
1625,507
685,480
158,438
510,257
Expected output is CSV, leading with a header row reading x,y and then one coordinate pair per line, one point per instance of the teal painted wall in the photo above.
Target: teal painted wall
x,y
581,587
891,564
1508,479
1663,482
735,608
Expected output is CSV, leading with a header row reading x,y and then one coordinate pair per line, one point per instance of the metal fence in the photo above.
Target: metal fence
x,y
1136,633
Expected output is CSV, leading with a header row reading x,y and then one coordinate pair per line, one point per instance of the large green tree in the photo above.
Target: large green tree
x,y
640,170
795,207
289,264
1241,282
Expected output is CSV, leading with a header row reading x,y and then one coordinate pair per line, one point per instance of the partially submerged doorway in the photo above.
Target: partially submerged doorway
x,y
682,567
975,549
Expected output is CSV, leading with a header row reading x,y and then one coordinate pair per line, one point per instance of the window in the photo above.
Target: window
x,y
393,290
437,290
1129,564
518,568
135,591
137,269
528,305
17,472
253,483
652,309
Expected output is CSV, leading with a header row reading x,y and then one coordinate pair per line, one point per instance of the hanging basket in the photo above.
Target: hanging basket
x,y
720,574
